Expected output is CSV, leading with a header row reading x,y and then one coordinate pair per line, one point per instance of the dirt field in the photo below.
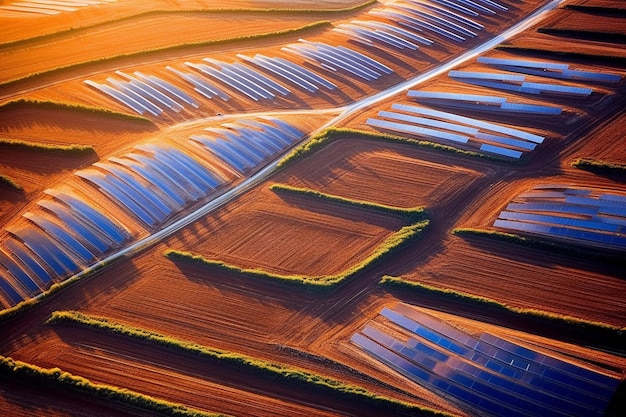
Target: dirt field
x,y
290,234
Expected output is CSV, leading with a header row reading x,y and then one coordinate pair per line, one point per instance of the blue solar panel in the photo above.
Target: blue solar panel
x,y
229,81
434,123
278,70
420,23
92,216
191,191
244,79
21,253
529,146
531,108
510,153
522,63
415,130
172,89
122,98
440,21
342,55
173,194
50,253
469,121
152,92
559,89
456,96
61,236
185,167
18,273
554,207
7,289
592,76
262,79
129,91
201,86
476,6
90,236
398,31
561,221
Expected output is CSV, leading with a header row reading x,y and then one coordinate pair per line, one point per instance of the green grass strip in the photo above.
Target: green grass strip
x,y
78,108
411,214
394,242
259,367
538,243
590,331
10,182
164,12
55,378
599,166
23,145
170,48
333,133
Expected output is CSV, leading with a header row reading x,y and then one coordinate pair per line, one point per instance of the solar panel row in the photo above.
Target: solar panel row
x,y
149,184
490,374
588,216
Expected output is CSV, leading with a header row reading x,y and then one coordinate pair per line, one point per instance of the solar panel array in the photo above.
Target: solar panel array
x,y
483,103
77,225
491,375
456,130
405,25
51,7
517,84
584,216
549,70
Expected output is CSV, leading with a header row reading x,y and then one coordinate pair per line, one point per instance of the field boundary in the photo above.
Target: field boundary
x,y
254,366
394,242
598,166
587,331
169,48
410,214
56,378
9,182
158,12
331,134
79,108
538,243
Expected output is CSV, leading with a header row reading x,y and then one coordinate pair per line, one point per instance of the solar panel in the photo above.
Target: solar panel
x,y
476,6
152,92
116,195
486,76
131,92
560,89
21,253
376,35
324,56
498,150
18,273
170,88
420,23
201,86
226,79
415,130
279,70
469,121
516,143
261,79
246,80
431,122
92,237
531,108
456,96
61,236
399,31
439,21
121,97
521,63
173,194
91,216
457,7
592,76
306,74
561,221
44,249
358,60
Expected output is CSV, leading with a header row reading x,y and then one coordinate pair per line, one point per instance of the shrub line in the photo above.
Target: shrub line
x,y
10,182
24,145
56,378
394,242
333,133
587,329
53,105
251,365
259,36
411,214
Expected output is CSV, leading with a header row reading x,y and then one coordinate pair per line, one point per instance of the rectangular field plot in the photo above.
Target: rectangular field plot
x,y
583,216
487,373
289,234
